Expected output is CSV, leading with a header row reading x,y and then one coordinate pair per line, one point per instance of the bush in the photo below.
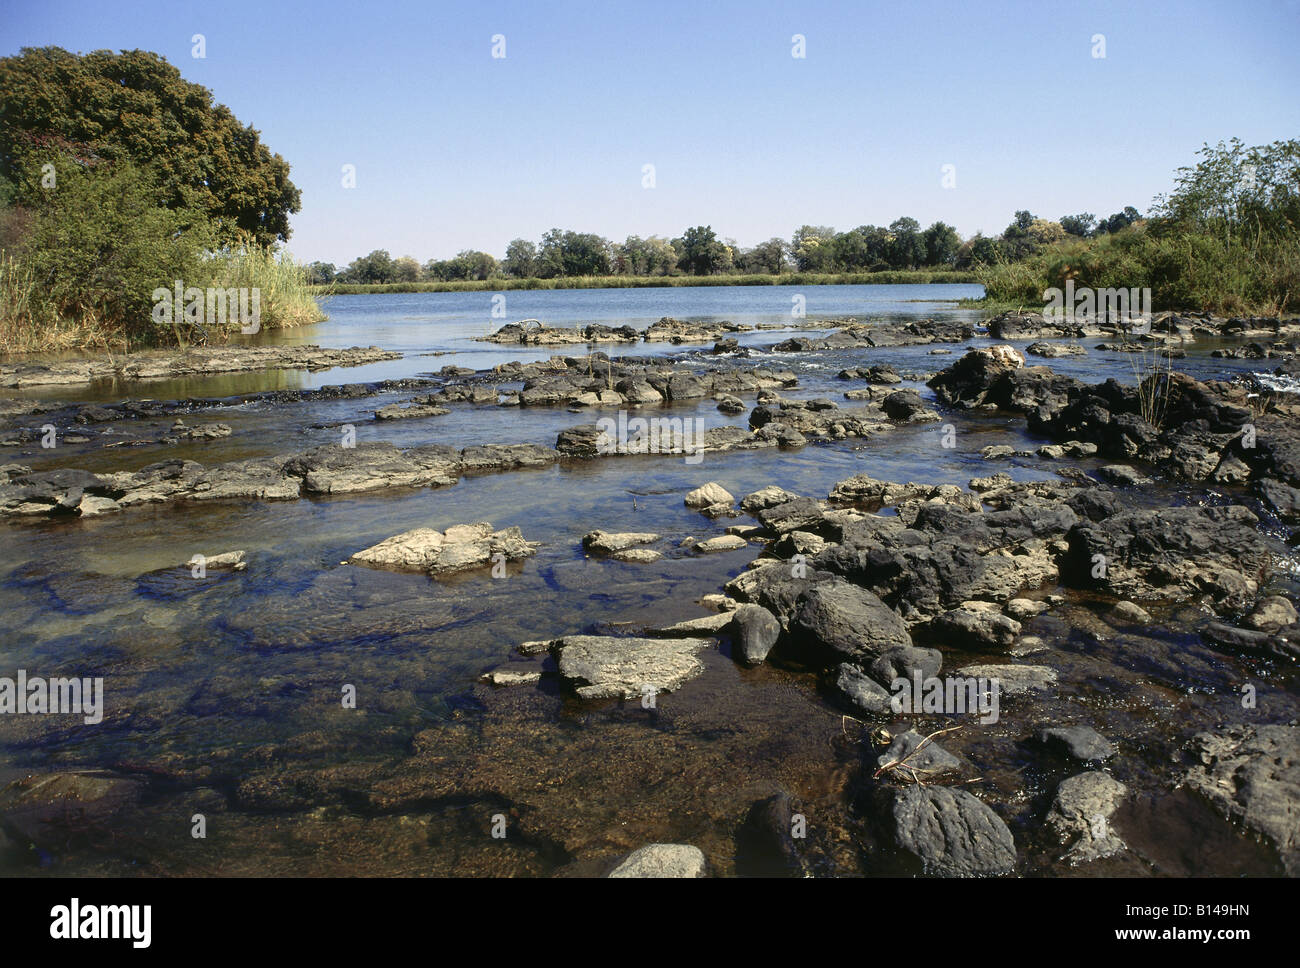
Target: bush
x,y
95,247
83,260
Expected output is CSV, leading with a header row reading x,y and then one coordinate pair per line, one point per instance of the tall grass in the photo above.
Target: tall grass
x,y
28,324
890,277
287,298
31,322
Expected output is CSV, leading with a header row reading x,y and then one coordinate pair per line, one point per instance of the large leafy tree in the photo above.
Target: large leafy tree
x,y
702,253
521,259
907,250
1235,190
941,244
135,107
813,248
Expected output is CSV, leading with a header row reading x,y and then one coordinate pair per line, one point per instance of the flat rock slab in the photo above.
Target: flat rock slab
x,y
608,542
608,667
1015,680
952,832
662,860
723,542
165,364
637,556
395,411
440,552
704,625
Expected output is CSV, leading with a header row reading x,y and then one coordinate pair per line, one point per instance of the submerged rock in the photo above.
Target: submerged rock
x,y
607,542
860,689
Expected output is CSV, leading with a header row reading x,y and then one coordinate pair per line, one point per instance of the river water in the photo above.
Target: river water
x,y
222,695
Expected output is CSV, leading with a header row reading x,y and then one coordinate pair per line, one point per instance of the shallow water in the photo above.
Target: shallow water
x,y
223,693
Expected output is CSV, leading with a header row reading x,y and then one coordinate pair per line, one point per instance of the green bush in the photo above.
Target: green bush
x,y
96,245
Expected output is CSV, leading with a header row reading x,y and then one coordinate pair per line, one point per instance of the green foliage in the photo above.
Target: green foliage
x,y
97,245
377,267
654,256
135,108
701,254
573,254
1185,270
1237,192
521,259
286,295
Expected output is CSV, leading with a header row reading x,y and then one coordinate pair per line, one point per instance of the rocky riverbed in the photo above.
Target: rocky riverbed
x,y
676,655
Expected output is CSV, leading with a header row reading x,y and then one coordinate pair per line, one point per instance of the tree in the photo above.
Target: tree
x,y
851,250
573,254
1016,242
521,259
701,254
1081,225
100,245
979,251
135,107
906,248
1234,190
321,273
405,269
1120,220
377,267
1042,232
941,244
768,257
812,248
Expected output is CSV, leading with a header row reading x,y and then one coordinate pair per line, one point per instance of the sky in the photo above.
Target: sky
x,y
456,149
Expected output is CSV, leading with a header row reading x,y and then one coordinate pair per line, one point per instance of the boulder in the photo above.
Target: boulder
x,y
951,832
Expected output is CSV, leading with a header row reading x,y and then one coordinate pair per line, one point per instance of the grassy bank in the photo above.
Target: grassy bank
x,y
46,318
891,277
1184,272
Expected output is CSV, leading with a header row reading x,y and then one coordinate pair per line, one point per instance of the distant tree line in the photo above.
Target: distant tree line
x,y
903,244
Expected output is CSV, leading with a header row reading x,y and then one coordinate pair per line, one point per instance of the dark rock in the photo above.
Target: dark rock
x,y
756,631
848,620
1081,742
951,832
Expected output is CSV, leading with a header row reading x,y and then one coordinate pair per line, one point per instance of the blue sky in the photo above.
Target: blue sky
x,y
455,149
